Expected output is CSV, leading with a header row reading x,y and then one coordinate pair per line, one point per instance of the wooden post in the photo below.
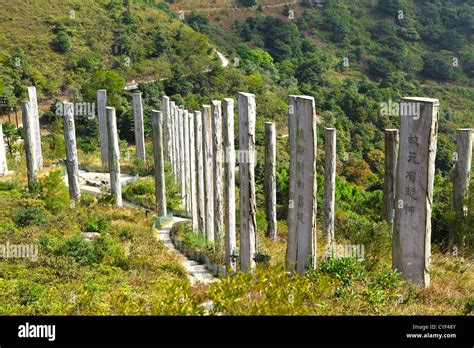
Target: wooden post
x,y
329,184
160,187
270,180
177,145
114,156
391,158
187,168
139,130
217,154
35,126
167,127
301,249
208,172
201,212
248,205
3,154
182,169
29,143
193,175
173,139
411,249
229,183
72,164
103,135
462,172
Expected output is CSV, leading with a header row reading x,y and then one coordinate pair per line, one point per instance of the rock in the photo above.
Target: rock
x,y
90,236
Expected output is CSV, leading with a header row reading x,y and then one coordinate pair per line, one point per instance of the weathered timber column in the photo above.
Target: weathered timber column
x,y
217,156
201,212
72,163
301,249
465,141
29,143
229,183
208,172
291,243
329,184
391,158
167,128
160,187
173,138
411,249
114,156
248,205
182,170
103,135
177,145
270,180
35,126
3,154
139,130
187,168
193,174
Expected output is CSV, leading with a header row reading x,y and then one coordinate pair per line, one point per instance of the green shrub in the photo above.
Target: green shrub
x,y
106,197
49,242
345,269
101,250
7,185
79,249
54,192
28,292
94,223
141,188
87,199
27,216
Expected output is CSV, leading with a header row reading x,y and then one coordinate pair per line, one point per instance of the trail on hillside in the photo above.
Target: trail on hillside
x,y
92,182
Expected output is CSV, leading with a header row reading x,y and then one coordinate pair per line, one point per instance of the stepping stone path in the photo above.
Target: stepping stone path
x,y
196,272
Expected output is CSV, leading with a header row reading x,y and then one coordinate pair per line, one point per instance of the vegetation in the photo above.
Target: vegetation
x,y
350,56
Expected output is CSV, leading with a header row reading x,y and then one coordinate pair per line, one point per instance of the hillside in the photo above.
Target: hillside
x,y
353,57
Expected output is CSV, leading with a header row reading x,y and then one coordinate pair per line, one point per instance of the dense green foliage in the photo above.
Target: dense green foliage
x,y
350,56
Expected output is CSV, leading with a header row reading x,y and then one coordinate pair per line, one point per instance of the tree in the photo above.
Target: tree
x,y
178,83
11,135
338,23
248,3
311,71
162,45
438,66
198,22
62,42
281,39
380,67
392,6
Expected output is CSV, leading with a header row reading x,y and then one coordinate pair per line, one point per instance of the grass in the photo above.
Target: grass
x,y
125,271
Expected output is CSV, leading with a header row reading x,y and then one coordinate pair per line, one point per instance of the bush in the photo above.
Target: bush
x,y
345,269
7,185
54,192
62,42
94,223
438,66
87,199
27,216
28,292
102,249
248,3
